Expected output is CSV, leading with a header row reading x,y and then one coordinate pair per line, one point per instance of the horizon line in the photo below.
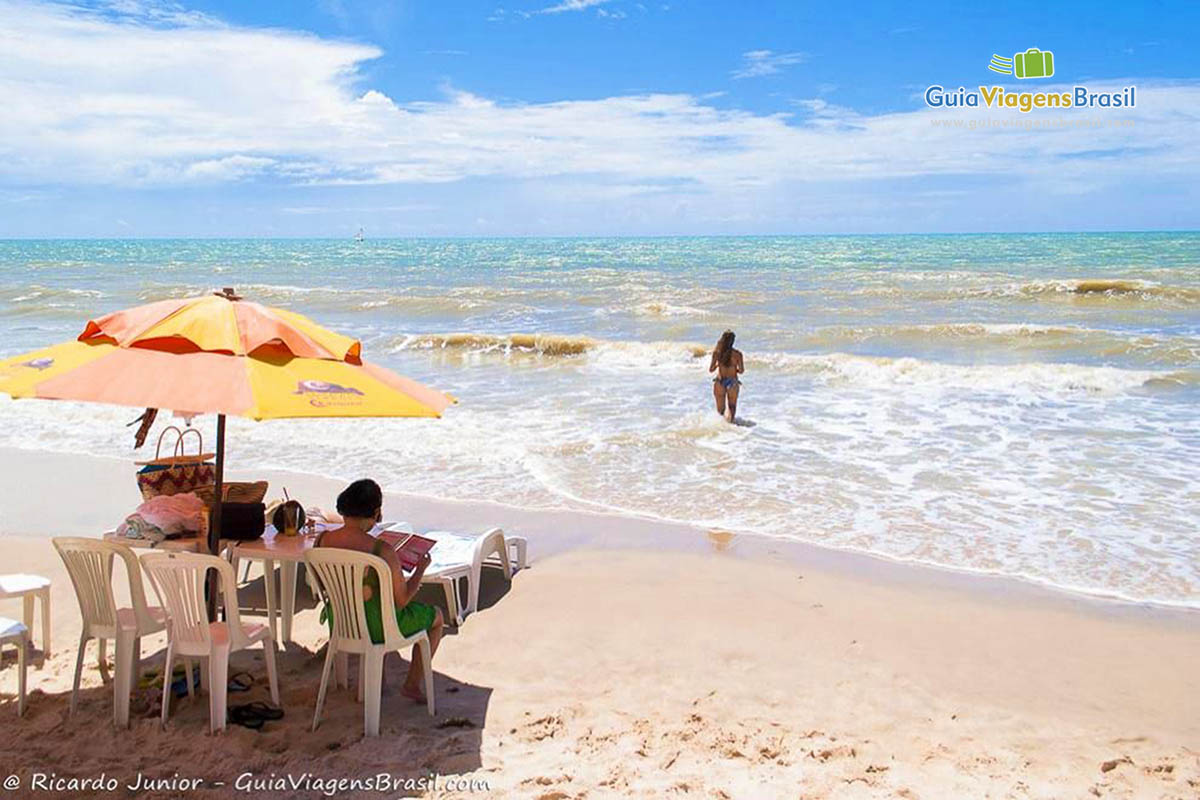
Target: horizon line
x,y
411,237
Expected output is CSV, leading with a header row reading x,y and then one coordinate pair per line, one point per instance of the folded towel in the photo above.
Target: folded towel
x,y
135,526
174,514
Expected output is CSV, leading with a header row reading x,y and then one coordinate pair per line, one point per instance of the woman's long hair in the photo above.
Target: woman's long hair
x,y
724,351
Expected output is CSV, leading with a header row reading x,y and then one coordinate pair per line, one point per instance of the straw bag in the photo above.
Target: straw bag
x,y
179,472
235,492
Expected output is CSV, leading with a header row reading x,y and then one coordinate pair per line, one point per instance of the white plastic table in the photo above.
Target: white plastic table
x,y
186,544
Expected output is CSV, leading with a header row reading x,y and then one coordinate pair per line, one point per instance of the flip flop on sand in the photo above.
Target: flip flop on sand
x,y
267,712
240,682
153,676
254,715
242,715
180,687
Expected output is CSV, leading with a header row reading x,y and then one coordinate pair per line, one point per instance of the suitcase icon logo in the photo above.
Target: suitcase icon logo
x,y
1033,63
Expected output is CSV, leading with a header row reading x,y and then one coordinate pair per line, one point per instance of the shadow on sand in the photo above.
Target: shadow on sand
x,y
411,745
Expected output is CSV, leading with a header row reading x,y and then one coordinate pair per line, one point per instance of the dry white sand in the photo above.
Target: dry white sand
x,y
676,669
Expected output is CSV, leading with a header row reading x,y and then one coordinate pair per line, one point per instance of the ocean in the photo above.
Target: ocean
x,y
1023,405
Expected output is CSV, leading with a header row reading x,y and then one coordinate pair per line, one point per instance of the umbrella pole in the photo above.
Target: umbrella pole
x,y
214,527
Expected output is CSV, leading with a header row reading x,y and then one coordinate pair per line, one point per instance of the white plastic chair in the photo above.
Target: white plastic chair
x,y
179,579
30,588
339,574
89,562
18,634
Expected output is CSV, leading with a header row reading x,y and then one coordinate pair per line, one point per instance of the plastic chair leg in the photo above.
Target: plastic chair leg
x,y
330,657
218,687
22,648
121,680
362,676
427,663
45,624
373,669
518,548
341,669
450,587
136,672
27,608
167,692
83,639
102,659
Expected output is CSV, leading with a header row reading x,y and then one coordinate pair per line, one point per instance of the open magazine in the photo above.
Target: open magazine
x,y
410,547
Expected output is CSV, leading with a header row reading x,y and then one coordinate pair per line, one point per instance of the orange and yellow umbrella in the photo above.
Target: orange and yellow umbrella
x,y
218,354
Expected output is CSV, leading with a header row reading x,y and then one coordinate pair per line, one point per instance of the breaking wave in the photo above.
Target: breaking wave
x,y
1141,348
1128,290
835,367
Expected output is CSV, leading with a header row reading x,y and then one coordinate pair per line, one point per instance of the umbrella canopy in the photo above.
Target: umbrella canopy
x,y
218,355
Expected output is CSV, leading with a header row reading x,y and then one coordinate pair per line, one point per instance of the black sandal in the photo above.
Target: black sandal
x,y
242,715
267,712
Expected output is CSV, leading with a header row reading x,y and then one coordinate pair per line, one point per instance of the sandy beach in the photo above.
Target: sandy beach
x,y
637,659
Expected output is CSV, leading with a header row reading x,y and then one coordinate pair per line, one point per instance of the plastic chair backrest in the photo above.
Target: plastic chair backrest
x,y
89,562
340,573
179,579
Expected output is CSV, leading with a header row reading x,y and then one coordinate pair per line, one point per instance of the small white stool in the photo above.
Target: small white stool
x,y
29,588
18,634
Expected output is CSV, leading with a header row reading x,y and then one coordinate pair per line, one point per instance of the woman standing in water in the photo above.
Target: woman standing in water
x,y
727,363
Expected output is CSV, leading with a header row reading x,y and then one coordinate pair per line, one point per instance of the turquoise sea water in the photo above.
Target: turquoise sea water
x,y
1020,404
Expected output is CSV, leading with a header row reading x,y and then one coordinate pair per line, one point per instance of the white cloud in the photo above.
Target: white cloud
x,y
757,63
571,5
114,99
228,168
405,208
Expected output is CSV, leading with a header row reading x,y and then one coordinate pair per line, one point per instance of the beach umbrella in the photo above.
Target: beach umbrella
x,y
223,355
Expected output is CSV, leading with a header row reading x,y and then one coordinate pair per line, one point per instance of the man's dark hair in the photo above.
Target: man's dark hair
x,y
363,498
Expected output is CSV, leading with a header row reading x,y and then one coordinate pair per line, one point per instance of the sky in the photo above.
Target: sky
x,y
143,118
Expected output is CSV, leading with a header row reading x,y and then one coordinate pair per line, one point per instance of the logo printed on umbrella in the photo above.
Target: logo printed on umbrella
x,y
329,394
323,387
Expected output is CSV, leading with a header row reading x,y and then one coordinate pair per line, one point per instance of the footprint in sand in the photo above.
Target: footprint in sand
x,y
1111,764
544,728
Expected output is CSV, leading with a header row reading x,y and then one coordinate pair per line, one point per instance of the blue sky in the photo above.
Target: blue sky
x,y
564,117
